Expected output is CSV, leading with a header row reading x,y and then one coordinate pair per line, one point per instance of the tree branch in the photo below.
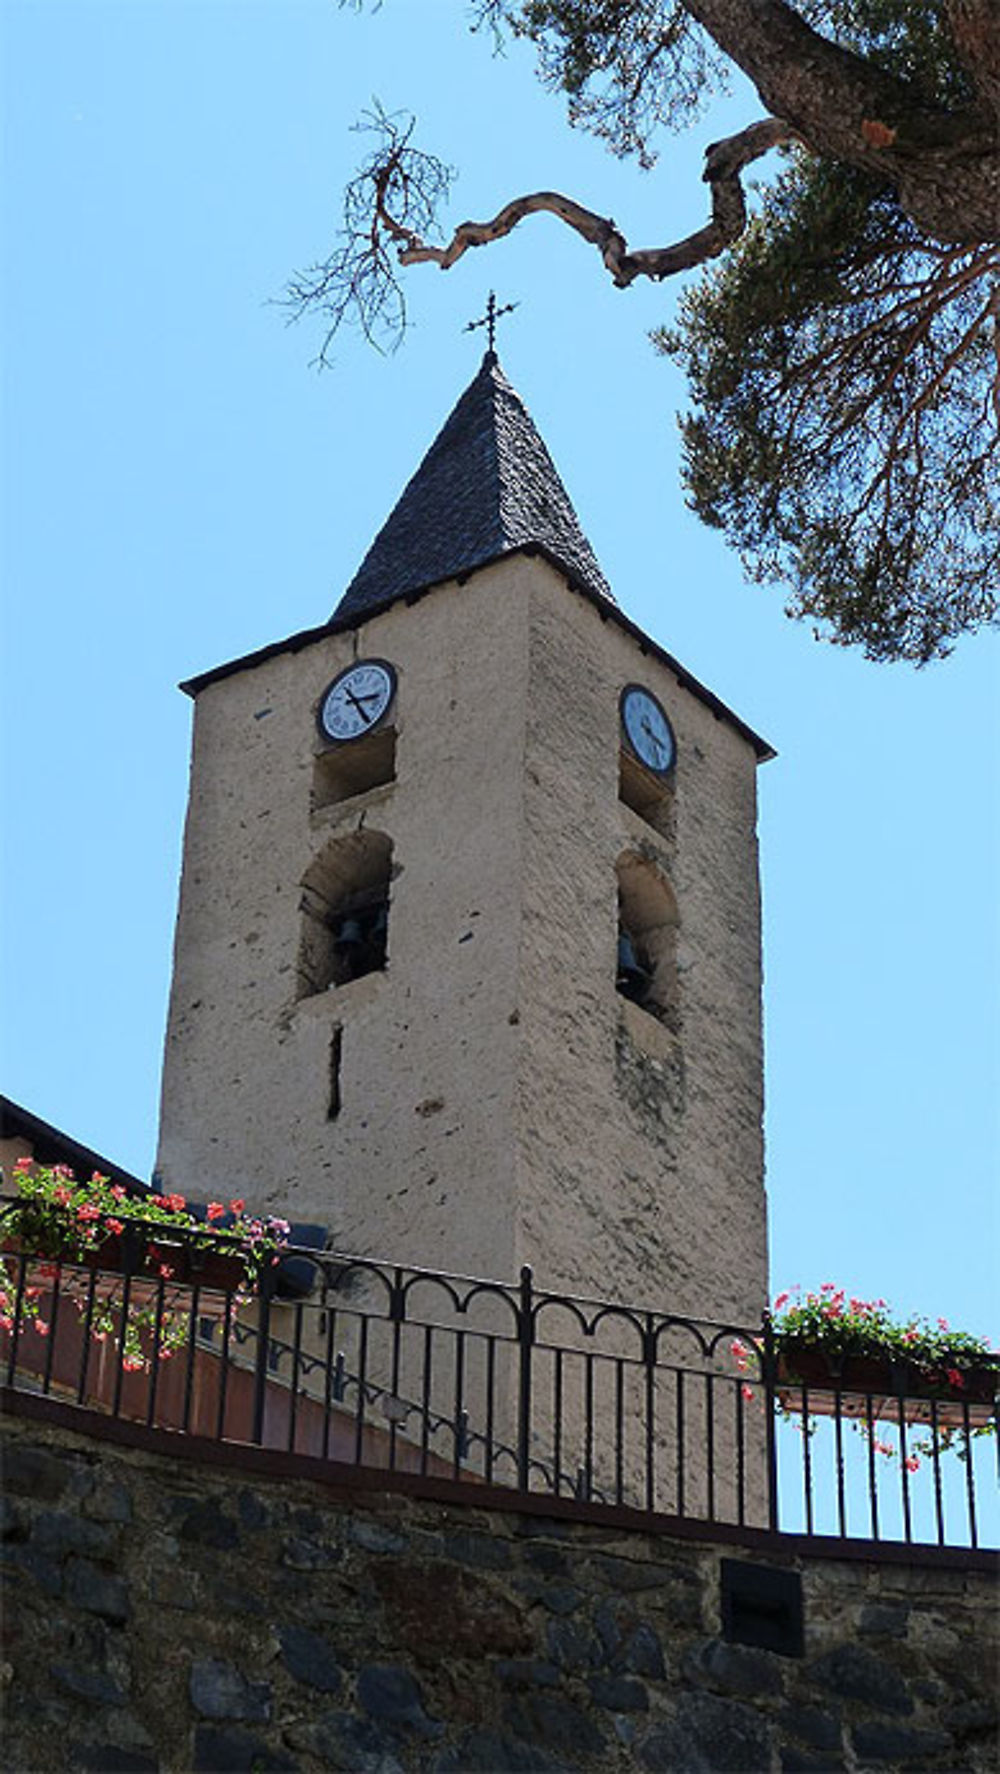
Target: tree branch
x,y
724,162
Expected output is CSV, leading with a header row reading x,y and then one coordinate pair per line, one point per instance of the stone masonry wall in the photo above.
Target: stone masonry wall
x,y
164,1614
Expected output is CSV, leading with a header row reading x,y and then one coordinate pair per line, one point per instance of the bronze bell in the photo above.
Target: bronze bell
x,y
349,934
634,979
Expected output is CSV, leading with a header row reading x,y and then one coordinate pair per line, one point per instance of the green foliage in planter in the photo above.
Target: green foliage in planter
x,y
840,1326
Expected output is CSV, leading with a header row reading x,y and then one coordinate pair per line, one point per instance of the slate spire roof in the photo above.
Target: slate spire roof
x,y
486,487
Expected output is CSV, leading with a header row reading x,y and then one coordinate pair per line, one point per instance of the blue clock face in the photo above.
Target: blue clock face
x,y
357,700
649,733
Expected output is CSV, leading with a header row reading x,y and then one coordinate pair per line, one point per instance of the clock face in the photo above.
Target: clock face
x,y
357,699
647,729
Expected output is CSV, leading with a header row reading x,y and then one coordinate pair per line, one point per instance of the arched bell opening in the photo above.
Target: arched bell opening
x,y
646,960
345,912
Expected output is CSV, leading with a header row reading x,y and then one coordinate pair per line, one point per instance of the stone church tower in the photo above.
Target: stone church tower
x,y
467,961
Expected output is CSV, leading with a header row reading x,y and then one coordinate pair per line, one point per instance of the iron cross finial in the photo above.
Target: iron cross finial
x,y
490,318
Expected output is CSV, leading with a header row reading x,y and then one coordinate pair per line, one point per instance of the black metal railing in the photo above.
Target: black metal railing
x,y
409,1370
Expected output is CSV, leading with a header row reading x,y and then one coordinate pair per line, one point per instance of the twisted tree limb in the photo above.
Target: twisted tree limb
x,y
724,163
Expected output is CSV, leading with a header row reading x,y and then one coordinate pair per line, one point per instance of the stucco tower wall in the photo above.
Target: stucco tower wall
x,y
419,1163
500,1101
641,1174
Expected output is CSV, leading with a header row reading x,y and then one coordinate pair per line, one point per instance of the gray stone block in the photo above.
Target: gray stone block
x,y
35,1472
95,1685
347,1744
35,1565
556,1598
820,1730
14,1520
237,1752
879,1741
60,1531
309,1555
709,1735
219,1691
109,1502
634,1575
572,1645
113,1758
205,1524
733,1669
619,1693
388,1691
809,1761
550,1560
628,1642
553,1723
252,1510
526,1672
374,1536
98,1591
482,1551
858,1674
490,1752
310,1659
881,1620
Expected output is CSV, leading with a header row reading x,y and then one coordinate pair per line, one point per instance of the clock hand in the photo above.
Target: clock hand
x,y
358,703
654,738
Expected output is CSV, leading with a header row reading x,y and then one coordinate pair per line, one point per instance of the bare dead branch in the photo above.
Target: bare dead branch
x,y
724,163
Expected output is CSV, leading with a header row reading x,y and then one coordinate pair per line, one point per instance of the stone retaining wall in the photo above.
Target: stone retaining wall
x,y
165,1615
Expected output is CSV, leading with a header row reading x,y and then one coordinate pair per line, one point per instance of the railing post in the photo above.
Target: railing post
x,y
264,1293
769,1365
649,1362
526,1338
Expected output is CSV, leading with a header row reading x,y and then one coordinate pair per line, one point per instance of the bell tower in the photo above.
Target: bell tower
x,y
467,961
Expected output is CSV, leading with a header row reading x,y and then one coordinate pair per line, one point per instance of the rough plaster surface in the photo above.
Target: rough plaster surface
x,y
165,1616
501,1103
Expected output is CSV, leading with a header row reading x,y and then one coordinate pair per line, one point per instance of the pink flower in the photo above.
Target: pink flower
x,y
911,1463
942,1324
88,1211
747,1391
177,1202
782,1300
214,1210
827,1287
41,1327
166,1271
237,1207
912,1335
955,1379
116,1227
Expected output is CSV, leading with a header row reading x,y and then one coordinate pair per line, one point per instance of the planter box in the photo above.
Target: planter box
x,y
845,1385
213,1270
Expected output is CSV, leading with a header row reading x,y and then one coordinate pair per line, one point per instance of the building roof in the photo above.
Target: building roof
x,y
486,487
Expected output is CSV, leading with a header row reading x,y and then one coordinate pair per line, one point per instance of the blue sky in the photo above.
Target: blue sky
x,y
180,486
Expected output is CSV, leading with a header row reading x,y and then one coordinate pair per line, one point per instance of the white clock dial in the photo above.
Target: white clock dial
x,y
647,729
356,700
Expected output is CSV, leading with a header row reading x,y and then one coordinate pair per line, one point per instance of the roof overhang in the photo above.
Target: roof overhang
x,y
608,612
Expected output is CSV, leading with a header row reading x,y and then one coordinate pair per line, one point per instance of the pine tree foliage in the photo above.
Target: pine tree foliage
x,y
843,356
